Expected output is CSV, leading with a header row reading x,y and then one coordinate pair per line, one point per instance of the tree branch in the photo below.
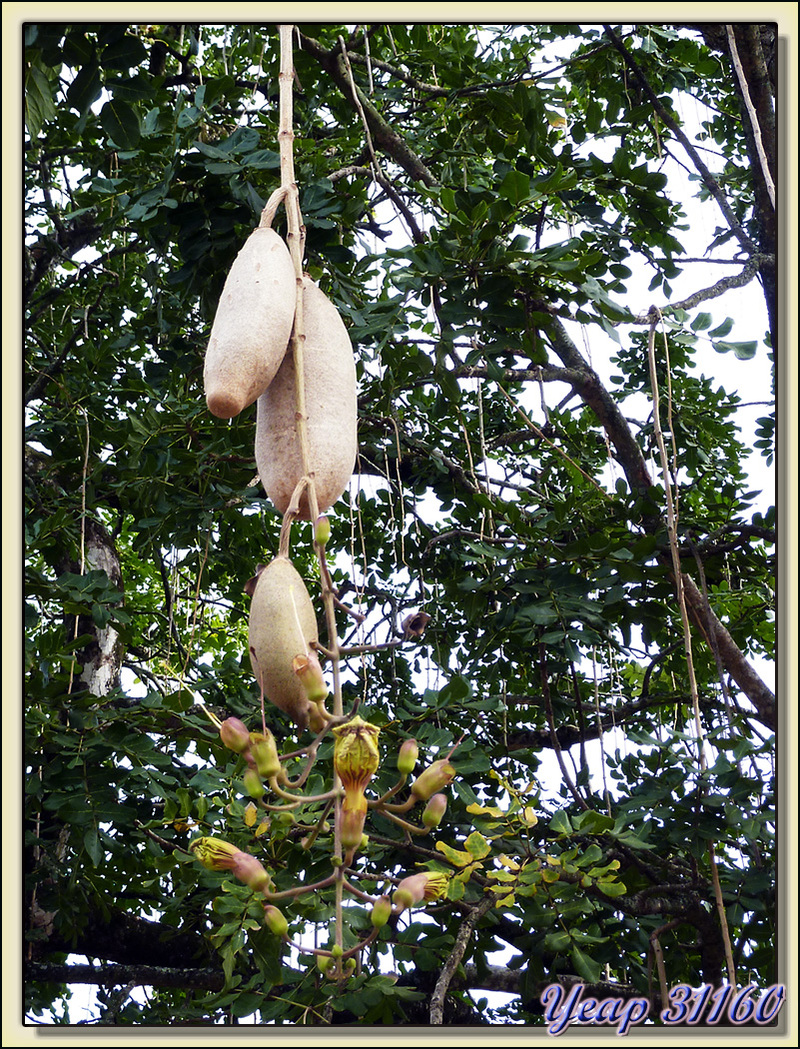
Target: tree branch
x,y
383,135
735,662
708,179
457,953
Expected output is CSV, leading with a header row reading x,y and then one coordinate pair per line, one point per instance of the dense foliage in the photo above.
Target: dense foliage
x,y
481,203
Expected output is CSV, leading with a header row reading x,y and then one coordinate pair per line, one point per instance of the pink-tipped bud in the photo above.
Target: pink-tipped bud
x,y
234,735
265,754
434,810
275,921
407,758
420,888
309,674
322,530
381,912
249,870
435,778
253,784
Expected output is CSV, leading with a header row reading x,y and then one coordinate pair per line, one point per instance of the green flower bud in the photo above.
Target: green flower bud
x,y
309,674
253,784
434,810
322,530
275,921
381,912
435,778
265,754
407,758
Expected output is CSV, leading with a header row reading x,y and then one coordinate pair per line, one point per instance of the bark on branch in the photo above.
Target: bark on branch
x,y
383,134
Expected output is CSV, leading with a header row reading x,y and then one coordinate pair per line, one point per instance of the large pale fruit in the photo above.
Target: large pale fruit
x,y
331,410
282,626
252,325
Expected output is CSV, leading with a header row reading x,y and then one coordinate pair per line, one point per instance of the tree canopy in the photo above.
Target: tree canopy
x,y
551,568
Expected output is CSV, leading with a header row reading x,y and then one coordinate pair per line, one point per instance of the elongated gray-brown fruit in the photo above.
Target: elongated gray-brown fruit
x,y
282,626
252,324
331,410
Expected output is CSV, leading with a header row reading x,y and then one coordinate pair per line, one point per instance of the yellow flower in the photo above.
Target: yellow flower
x,y
356,759
355,753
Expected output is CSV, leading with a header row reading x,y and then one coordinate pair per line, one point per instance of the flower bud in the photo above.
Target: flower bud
x,y
265,754
434,810
420,888
309,674
250,870
322,530
275,921
253,784
218,855
407,758
234,735
435,778
381,912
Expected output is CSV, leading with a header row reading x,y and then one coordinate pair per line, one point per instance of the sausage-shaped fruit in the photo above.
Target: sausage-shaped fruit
x,y
282,626
331,410
252,325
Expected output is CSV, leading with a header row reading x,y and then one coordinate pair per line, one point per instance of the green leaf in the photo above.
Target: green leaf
x,y
120,121
743,350
560,822
85,88
702,321
515,187
585,967
39,104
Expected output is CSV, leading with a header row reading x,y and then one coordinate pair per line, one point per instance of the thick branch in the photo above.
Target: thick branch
x,y
586,382
120,975
383,135
735,663
454,959
709,181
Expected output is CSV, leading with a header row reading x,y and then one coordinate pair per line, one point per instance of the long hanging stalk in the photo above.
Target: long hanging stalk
x,y
672,523
290,195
